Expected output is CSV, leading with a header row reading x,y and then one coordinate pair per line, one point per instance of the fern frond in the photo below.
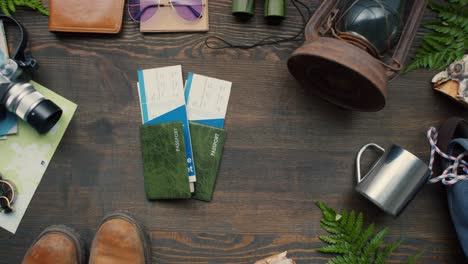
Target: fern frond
x,y
447,42
330,229
9,6
349,242
454,19
385,253
4,7
336,248
364,238
371,248
327,212
357,228
441,28
349,226
463,2
329,223
344,220
346,259
334,239
414,258
36,5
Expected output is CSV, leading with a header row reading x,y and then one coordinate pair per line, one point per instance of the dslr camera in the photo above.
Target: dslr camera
x,y
17,95
22,99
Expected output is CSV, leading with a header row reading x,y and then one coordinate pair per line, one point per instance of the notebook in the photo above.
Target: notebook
x,y
166,19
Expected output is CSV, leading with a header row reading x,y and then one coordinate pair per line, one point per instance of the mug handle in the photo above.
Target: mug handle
x,y
358,158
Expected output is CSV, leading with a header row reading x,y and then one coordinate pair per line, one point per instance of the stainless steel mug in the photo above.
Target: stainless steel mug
x,y
393,180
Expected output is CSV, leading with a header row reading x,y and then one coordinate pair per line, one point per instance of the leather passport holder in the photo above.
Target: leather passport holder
x,y
207,146
164,161
87,16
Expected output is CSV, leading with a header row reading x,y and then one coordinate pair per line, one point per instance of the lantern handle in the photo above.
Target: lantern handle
x,y
407,37
318,19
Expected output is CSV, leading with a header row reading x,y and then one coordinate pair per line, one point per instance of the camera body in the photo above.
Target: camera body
x,y
22,99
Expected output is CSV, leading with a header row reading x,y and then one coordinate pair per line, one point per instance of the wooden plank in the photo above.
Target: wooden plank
x,y
285,149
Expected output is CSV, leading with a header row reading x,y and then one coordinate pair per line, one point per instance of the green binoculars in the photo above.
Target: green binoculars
x,y
274,9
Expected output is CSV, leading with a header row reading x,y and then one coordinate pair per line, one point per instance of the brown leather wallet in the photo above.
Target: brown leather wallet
x,y
87,16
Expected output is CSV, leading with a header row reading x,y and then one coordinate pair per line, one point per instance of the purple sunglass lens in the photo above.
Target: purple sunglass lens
x,y
142,10
189,9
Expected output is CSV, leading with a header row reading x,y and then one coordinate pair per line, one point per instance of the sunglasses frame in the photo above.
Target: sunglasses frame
x,y
171,4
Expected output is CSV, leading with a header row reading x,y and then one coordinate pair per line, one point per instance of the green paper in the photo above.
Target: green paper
x,y
207,145
165,161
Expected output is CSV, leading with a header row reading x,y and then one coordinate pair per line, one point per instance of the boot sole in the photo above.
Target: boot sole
x,y
141,231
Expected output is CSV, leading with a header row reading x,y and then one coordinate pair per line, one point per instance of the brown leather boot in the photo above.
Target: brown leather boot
x,y
56,244
120,240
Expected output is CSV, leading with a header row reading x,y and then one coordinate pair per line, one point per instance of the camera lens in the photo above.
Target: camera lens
x,y
31,106
44,116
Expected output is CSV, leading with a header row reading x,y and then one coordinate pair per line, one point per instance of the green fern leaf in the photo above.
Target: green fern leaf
x,y
357,228
438,41
453,32
385,253
450,17
346,259
351,221
334,239
463,2
328,213
447,42
348,242
359,244
11,6
4,7
37,5
330,223
379,257
8,7
375,242
371,249
330,229
414,258
343,221
337,248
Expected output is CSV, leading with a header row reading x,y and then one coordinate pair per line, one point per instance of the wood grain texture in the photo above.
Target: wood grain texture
x,y
285,148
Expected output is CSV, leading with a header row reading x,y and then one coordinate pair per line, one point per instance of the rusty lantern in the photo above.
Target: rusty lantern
x,y
350,63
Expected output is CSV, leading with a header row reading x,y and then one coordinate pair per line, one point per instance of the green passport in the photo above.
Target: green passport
x,y
164,161
207,146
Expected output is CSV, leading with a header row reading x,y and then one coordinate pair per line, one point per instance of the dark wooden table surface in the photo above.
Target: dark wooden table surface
x,y
285,148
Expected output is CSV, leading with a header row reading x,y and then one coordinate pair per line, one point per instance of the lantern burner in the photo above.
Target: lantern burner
x,y
359,41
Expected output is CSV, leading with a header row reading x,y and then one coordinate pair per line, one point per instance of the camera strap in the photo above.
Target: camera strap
x,y
21,54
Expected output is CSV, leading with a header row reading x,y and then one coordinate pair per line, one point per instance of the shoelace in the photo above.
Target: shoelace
x,y
451,175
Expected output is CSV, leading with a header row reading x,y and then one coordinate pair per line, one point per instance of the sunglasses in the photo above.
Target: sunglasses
x,y
7,196
143,10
